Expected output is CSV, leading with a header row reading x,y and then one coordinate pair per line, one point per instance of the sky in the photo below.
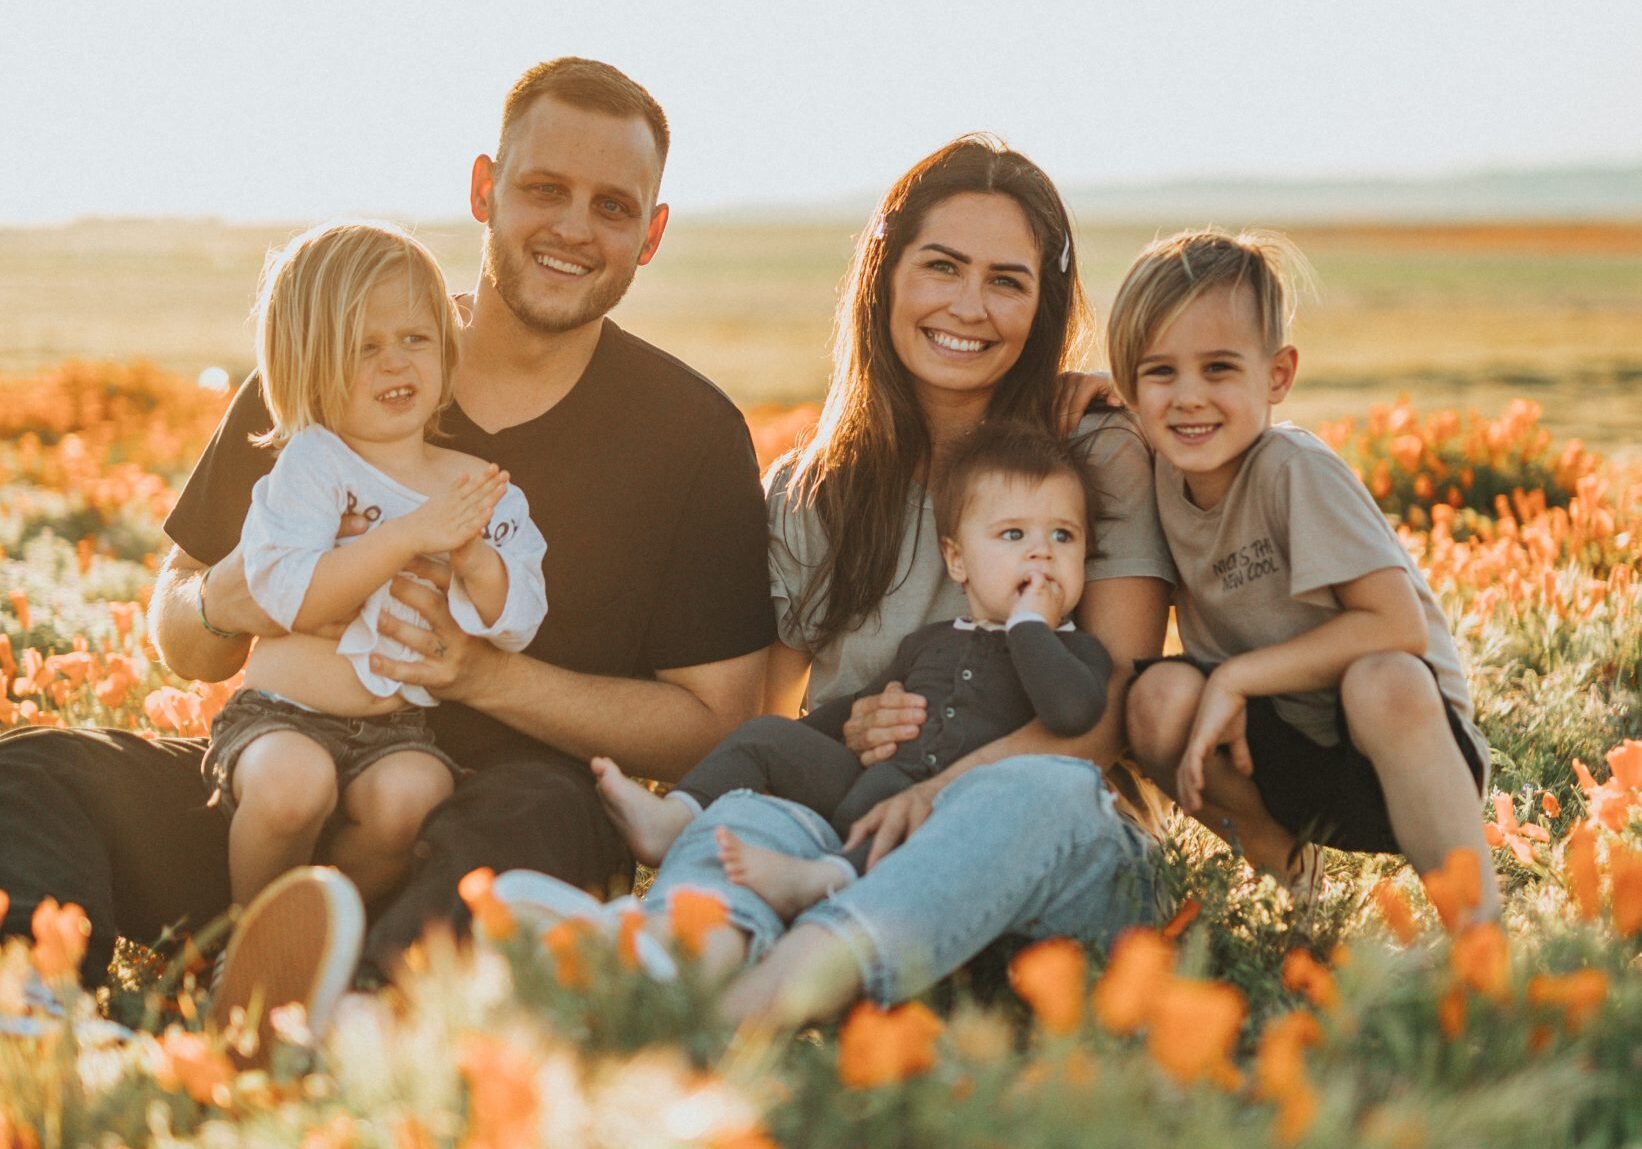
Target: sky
x,y
300,109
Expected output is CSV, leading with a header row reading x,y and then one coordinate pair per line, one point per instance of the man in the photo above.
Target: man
x,y
640,475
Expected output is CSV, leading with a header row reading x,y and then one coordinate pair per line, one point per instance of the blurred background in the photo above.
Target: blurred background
x,y
1466,178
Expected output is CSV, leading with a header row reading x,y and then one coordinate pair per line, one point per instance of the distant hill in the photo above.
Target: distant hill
x,y
1586,192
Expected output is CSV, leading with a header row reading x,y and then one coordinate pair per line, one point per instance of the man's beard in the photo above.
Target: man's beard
x,y
508,271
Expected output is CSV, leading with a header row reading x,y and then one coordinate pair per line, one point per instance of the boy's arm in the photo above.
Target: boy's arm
x,y
1381,613
344,577
1068,693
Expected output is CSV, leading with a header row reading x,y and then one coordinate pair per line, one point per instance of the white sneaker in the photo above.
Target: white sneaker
x,y
297,942
537,901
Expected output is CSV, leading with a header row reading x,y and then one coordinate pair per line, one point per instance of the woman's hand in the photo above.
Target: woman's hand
x,y
454,664
894,820
878,724
1078,391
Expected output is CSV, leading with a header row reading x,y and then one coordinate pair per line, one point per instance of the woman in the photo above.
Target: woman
x,y
963,304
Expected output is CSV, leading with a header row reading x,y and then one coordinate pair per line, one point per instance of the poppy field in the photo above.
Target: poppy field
x,y
1369,1018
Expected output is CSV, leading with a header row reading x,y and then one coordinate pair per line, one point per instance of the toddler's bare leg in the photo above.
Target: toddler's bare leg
x,y
284,789
651,824
386,805
1161,707
1396,716
790,885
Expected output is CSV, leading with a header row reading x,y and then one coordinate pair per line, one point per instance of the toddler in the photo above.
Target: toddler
x,y
356,351
1013,513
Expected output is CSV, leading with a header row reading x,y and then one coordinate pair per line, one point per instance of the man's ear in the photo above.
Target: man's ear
x,y
1284,365
483,182
652,235
954,556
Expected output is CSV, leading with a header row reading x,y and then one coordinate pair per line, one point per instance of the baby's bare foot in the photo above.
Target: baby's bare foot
x,y
649,823
787,884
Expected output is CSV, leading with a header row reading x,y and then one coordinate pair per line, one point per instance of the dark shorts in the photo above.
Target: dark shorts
x,y
1330,795
354,744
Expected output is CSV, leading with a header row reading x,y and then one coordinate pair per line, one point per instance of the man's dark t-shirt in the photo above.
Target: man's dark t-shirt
x,y
644,483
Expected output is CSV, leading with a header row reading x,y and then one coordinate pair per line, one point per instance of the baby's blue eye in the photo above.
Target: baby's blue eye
x,y
1062,535
1013,534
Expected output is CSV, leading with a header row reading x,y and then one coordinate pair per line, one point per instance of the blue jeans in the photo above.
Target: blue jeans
x,y
1030,845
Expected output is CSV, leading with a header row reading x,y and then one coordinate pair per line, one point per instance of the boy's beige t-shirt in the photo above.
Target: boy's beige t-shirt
x,y
1129,541
1259,568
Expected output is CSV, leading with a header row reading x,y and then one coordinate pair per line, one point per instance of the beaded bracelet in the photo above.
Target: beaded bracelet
x,y
205,622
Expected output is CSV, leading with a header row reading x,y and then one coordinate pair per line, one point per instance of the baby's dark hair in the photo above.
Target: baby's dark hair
x,y
1015,450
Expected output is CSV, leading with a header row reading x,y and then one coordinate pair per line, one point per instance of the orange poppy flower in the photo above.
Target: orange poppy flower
x,y
1481,960
754,1138
5,904
60,934
1582,874
1050,977
1505,830
1550,804
1625,867
627,939
694,915
193,1065
1280,1073
1141,964
20,607
1183,917
1192,1029
1451,1012
1305,975
503,1100
564,941
1579,994
489,911
882,1046
1455,888
1394,908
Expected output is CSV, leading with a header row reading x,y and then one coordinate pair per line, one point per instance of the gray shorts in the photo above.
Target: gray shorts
x,y
354,744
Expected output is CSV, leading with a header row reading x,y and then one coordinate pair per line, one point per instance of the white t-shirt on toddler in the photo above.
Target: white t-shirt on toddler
x,y
295,512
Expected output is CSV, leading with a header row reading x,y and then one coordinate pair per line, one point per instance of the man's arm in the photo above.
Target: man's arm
x,y
174,619
658,728
1129,616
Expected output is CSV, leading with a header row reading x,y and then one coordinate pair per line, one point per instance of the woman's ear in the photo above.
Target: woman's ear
x,y
954,556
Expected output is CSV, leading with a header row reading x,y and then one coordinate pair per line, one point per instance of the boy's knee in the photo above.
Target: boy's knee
x,y
1161,705
393,804
1390,688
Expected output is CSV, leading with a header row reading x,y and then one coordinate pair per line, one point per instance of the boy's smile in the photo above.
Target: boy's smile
x,y
1205,387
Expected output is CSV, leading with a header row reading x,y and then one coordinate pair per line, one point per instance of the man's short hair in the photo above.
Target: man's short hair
x,y
592,86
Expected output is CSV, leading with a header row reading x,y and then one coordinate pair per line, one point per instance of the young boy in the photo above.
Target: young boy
x,y
1321,699
1014,514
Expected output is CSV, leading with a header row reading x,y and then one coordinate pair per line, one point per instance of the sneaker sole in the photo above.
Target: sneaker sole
x,y
297,942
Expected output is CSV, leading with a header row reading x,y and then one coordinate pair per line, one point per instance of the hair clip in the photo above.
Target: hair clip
x,y
880,229
1066,253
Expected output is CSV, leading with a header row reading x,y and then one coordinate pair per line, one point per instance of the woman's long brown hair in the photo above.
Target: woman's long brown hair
x,y
872,439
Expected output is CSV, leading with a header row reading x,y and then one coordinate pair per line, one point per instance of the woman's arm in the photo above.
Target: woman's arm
x,y
785,679
1129,617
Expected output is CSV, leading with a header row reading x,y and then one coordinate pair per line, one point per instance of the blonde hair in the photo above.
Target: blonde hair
x,y
1170,274
311,310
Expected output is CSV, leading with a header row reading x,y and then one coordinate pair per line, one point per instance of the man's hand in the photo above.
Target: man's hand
x,y
1222,714
454,663
1077,392
894,820
877,724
